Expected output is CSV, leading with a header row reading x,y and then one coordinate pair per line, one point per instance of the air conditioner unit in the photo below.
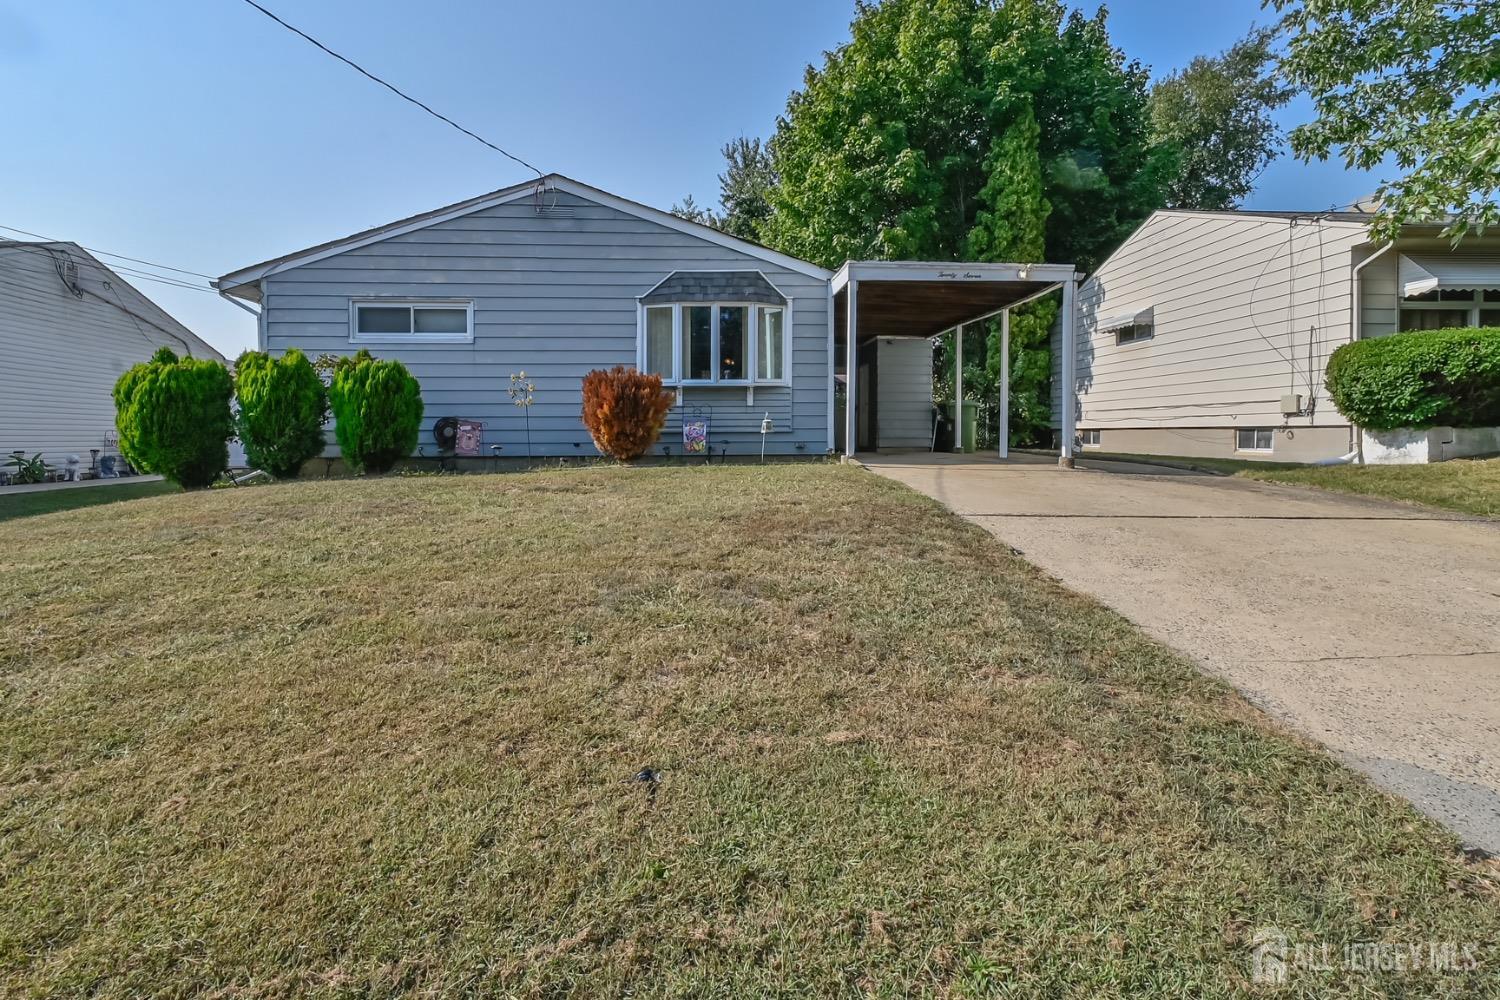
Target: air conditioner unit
x,y
1291,404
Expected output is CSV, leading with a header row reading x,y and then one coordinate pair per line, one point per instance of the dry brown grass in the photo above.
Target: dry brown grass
x,y
377,738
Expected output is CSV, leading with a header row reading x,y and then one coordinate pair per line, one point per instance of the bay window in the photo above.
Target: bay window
x,y
659,341
715,343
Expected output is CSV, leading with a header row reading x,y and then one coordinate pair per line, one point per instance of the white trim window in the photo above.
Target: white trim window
x,y
715,343
1089,438
1444,308
411,321
1259,439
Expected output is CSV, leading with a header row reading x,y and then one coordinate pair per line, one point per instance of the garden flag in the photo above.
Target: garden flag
x,y
695,437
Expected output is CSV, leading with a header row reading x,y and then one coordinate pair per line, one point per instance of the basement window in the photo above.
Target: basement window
x,y
1254,439
410,321
1090,438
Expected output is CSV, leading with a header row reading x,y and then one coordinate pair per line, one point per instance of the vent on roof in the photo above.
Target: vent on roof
x,y
544,203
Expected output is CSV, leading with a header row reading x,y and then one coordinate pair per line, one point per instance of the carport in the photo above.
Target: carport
x,y
921,300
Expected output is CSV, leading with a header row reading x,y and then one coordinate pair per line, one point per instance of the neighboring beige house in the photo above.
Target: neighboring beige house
x,y
1207,333
69,326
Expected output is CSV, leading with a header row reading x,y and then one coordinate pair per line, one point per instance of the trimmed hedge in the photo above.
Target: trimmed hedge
x,y
1432,378
174,419
282,407
377,411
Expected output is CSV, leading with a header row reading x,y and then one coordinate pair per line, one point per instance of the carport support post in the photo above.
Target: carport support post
x,y
958,388
851,370
1005,384
1069,360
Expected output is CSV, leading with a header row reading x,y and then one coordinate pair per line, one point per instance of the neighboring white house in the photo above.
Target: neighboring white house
x,y
1207,333
69,327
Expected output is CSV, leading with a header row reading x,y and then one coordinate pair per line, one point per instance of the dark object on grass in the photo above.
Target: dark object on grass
x,y
650,777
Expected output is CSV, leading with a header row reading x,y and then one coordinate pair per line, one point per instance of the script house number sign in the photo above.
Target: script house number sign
x,y
966,275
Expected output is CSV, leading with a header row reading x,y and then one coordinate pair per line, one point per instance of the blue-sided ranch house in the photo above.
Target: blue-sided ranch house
x,y
556,278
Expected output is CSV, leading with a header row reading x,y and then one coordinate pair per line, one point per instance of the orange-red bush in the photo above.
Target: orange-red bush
x,y
624,410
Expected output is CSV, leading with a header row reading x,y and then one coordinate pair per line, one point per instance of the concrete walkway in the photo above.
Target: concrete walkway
x,y
1372,627
82,484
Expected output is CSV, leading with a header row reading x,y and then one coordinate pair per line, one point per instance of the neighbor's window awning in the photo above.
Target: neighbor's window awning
x,y
1119,321
1420,275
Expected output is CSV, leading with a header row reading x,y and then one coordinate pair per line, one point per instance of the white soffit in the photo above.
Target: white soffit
x,y
1422,274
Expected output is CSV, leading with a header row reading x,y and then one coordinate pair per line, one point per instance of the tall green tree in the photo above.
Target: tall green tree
x,y
882,153
1413,82
1012,227
690,210
745,187
1216,114
944,129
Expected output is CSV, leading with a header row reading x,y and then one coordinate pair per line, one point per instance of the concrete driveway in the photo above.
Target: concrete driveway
x,y
1372,627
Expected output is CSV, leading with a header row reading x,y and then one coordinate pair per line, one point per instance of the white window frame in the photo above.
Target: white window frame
x,y
1473,307
1270,433
1134,333
1083,437
752,346
355,337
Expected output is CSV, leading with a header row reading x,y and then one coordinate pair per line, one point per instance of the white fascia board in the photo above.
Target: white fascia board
x,y
708,233
259,271
554,182
960,271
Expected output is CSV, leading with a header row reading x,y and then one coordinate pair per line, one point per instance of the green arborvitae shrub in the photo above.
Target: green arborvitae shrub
x,y
174,419
377,411
282,407
1433,378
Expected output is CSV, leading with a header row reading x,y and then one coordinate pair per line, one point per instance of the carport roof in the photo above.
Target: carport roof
x,y
926,298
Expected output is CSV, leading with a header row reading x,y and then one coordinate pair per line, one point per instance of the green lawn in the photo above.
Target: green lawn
x,y
26,504
1471,486
376,737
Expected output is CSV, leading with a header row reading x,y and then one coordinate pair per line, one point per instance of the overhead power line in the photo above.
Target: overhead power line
x,y
117,269
106,253
393,89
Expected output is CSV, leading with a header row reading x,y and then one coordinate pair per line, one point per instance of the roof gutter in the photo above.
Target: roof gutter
x,y
1354,296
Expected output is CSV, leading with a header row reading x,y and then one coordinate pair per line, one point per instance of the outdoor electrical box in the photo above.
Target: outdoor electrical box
x,y
1291,404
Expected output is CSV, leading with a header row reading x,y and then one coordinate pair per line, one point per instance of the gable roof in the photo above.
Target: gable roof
x,y
240,283
101,282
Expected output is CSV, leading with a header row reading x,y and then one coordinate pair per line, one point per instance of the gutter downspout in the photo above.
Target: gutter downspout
x,y
1356,436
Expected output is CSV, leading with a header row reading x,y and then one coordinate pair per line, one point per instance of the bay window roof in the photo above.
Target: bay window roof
x,y
714,286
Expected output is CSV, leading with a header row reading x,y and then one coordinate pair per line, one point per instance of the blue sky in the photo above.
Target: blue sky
x,y
197,133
